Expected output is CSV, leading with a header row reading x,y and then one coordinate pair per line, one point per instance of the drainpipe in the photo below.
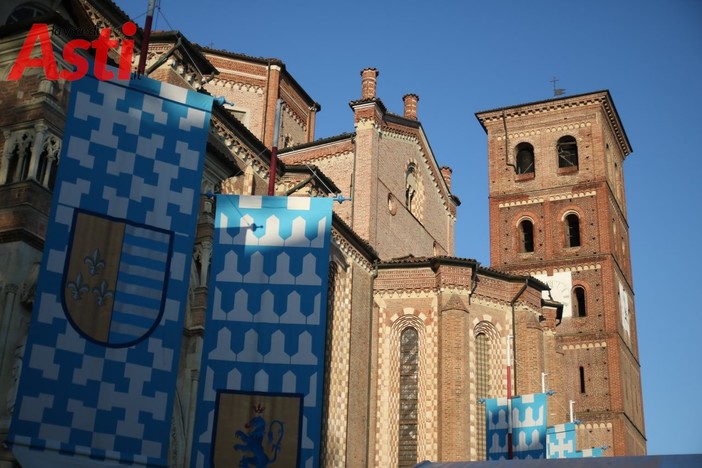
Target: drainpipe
x,y
353,186
265,103
473,282
504,124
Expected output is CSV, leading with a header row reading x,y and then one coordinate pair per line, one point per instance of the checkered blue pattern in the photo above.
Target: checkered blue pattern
x,y
265,328
529,426
133,151
560,441
496,428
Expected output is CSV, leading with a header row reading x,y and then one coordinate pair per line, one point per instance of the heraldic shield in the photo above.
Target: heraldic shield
x,y
115,278
257,430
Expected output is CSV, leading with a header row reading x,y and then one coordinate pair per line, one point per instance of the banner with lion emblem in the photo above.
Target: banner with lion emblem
x,y
98,377
263,351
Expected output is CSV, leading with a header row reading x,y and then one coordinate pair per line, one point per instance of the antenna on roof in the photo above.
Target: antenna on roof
x,y
557,91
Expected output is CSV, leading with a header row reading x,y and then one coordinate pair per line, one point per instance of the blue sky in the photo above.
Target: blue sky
x,y
461,57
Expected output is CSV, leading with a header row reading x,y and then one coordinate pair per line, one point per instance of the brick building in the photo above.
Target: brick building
x,y
416,336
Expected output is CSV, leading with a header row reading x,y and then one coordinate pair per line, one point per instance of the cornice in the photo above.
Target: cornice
x,y
597,98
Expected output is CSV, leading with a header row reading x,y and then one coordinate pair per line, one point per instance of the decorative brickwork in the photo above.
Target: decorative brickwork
x,y
600,370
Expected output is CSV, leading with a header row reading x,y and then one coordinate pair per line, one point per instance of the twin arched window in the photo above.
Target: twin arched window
x,y
571,230
566,149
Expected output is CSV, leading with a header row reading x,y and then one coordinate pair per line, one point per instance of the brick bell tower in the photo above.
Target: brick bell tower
x,y
558,212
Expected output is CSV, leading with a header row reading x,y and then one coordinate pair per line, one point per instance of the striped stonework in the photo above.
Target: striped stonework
x,y
386,449
336,386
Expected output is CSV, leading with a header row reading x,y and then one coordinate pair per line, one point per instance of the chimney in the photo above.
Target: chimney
x,y
410,106
446,172
368,82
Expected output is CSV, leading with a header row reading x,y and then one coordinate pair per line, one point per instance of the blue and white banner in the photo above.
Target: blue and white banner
x,y
528,426
260,396
496,428
100,366
560,441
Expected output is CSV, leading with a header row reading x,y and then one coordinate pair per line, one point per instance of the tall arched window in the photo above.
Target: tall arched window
x,y
482,387
411,189
409,393
525,158
526,234
567,149
579,305
572,225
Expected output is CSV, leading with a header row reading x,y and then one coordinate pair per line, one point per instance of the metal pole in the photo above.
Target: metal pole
x,y
571,404
145,37
543,382
274,149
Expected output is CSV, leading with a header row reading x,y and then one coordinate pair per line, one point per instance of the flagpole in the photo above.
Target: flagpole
x,y
274,149
145,37
509,398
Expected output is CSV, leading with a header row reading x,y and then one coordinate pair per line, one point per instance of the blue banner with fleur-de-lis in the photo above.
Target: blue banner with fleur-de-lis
x,y
98,375
260,395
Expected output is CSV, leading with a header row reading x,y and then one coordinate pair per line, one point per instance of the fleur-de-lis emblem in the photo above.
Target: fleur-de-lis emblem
x,y
102,293
77,287
94,262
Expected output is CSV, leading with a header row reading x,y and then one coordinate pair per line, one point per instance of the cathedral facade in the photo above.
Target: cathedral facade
x,y
416,336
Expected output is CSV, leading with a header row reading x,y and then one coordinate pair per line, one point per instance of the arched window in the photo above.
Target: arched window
x,y
579,305
409,393
567,152
572,224
19,147
526,234
525,158
482,387
26,12
412,190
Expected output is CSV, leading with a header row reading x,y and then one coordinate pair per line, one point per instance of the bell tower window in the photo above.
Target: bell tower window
x,y
572,224
526,234
567,152
525,158
579,303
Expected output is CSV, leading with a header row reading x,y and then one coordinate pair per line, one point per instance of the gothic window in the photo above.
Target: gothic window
x,y
482,384
526,235
567,152
25,12
12,166
48,162
18,154
409,393
18,166
411,190
579,303
525,158
572,225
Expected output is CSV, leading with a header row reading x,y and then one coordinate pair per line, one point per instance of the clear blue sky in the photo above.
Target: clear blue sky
x,y
465,56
